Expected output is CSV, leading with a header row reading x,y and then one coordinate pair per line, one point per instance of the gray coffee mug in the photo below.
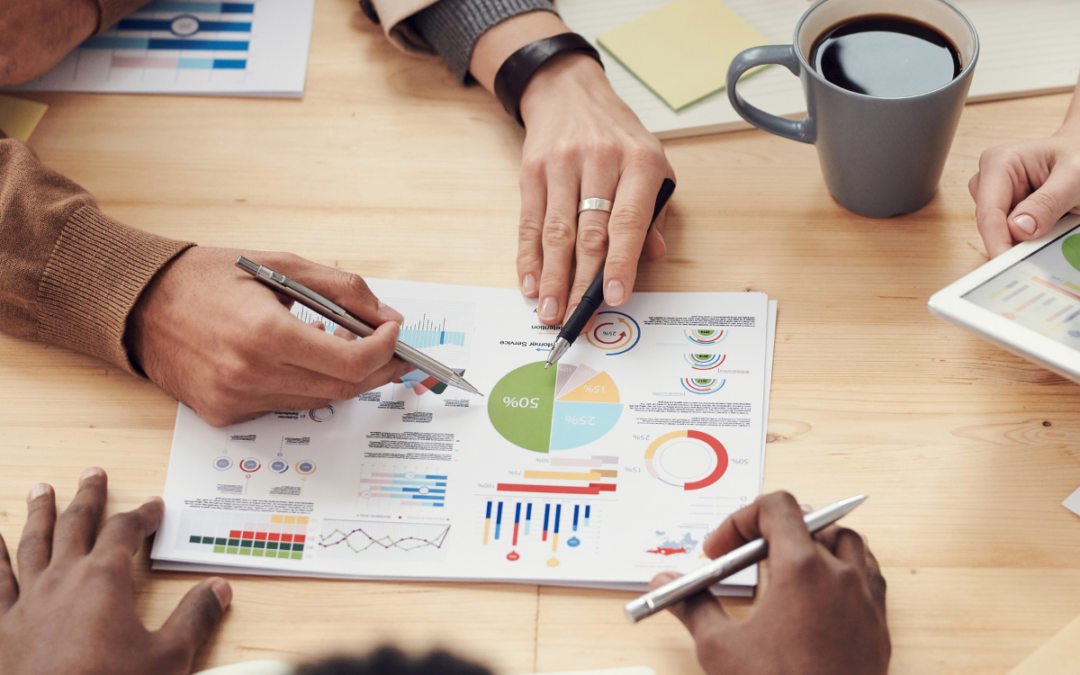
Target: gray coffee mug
x,y
881,156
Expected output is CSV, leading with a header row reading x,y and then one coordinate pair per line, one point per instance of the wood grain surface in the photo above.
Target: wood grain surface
x,y
389,168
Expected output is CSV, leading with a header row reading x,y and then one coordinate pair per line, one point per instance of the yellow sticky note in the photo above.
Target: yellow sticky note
x,y
19,117
682,50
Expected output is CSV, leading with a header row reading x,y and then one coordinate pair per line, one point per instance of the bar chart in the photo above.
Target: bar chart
x,y
258,48
384,488
256,535
540,526
593,476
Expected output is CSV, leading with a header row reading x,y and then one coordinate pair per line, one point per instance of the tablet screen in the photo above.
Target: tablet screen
x,y
1040,292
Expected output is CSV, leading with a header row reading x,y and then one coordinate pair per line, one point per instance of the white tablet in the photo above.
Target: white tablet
x,y
1027,300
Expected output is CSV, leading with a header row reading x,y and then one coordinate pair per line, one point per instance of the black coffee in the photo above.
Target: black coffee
x,y
885,56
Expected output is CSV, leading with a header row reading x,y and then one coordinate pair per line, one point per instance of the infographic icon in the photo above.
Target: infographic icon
x,y
687,459
702,385
706,336
614,332
705,361
554,409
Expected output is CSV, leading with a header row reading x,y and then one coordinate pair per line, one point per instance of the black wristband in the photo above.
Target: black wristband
x,y
519,68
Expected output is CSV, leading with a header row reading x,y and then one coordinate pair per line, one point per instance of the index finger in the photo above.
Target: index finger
x,y
775,516
993,201
635,201
124,533
348,360
344,288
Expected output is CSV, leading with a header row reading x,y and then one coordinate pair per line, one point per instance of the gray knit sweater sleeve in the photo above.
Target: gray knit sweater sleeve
x,y
452,27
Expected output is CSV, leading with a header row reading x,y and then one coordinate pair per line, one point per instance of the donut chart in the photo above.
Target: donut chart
x,y
687,459
614,332
702,385
558,408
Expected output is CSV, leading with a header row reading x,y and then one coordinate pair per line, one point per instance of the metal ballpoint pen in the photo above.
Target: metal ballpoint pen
x,y
728,564
331,311
592,298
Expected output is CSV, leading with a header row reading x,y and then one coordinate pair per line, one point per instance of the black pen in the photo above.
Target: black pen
x,y
595,295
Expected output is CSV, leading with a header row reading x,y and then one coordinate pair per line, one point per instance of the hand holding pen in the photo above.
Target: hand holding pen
x,y
227,347
823,608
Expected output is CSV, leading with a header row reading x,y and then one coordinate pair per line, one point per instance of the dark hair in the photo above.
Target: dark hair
x,y
392,661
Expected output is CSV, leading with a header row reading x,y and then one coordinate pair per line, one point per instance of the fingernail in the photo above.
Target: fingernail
x,y
155,498
806,508
548,310
865,541
528,285
223,591
1025,223
389,313
37,491
662,579
92,472
615,293
570,312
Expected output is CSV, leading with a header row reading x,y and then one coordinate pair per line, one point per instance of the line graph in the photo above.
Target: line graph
x,y
356,540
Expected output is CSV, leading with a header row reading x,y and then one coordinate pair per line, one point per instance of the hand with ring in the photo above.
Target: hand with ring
x,y
583,144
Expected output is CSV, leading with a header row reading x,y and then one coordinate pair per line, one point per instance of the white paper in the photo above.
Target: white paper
x,y
247,48
1027,48
688,366
1072,502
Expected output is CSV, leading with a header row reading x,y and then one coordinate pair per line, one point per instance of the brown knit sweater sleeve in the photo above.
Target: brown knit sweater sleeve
x,y
69,275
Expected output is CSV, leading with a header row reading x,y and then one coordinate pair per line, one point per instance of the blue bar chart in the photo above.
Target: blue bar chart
x,y
237,48
386,488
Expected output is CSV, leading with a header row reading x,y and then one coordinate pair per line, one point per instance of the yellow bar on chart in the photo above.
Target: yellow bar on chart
x,y
564,475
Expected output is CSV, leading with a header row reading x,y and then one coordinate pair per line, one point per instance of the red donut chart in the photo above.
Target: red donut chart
x,y
700,439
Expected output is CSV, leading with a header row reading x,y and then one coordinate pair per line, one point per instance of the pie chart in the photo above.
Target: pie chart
x,y
1070,248
555,409
688,459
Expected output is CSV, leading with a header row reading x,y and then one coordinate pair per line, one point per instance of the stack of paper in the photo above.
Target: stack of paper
x,y
600,472
250,48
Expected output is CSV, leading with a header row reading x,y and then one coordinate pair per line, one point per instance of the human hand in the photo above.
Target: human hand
x,y
582,141
72,610
216,339
1023,188
823,612
36,34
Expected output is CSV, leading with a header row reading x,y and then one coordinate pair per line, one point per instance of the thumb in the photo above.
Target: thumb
x,y
196,617
1033,217
701,614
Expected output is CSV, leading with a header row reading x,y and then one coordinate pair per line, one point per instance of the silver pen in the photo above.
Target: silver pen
x,y
279,283
728,564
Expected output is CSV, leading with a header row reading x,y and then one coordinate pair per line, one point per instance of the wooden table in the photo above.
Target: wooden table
x,y
966,450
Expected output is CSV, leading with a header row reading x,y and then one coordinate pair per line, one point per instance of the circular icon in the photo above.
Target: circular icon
x,y
705,361
222,463
706,336
305,468
702,385
184,25
614,332
573,541
424,490
512,556
688,459
250,465
322,414
279,466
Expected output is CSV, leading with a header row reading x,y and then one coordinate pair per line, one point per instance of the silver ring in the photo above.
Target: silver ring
x,y
595,204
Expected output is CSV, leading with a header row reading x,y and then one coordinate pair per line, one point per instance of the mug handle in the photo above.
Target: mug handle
x,y
782,55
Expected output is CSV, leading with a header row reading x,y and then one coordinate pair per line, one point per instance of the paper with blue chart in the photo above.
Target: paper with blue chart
x,y
602,471
252,48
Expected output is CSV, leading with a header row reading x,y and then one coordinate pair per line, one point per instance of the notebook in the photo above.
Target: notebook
x,y
1027,48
